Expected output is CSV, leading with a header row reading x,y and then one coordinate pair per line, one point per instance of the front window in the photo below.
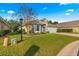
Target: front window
x,y
37,27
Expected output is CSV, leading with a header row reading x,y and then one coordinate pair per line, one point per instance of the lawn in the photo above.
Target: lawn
x,y
38,45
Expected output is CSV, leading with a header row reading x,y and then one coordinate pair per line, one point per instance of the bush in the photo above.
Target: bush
x,y
4,32
44,32
59,30
64,30
13,33
1,33
17,32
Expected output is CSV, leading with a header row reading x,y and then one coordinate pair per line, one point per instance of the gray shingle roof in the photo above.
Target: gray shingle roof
x,y
68,24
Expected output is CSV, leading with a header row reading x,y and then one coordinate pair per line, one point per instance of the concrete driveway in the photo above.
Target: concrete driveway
x,y
69,34
71,49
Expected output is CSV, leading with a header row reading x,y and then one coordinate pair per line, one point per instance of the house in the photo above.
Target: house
x,y
73,25
3,25
35,26
70,26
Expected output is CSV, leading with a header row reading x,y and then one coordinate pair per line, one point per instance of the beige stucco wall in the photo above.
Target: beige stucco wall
x,y
76,29
25,28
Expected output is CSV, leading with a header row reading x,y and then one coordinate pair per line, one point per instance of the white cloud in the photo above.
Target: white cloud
x,y
67,14
70,10
2,10
44,8
64,3
8,17
10,11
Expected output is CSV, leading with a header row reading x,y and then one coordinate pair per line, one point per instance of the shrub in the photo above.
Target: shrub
x,y
13,33
17,32
64,30
4,32
44,32
59,30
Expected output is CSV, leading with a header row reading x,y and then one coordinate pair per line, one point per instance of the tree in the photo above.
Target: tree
x,y
50,22
55,22
27,14
14,24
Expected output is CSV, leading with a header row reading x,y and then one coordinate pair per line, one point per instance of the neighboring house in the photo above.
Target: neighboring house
x,y
4,25
70,25
35,26
74,25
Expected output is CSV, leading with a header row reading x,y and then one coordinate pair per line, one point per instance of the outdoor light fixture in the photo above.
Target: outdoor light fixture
x,y
21,20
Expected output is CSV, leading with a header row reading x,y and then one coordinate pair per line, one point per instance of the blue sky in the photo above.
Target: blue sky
x,y
60,12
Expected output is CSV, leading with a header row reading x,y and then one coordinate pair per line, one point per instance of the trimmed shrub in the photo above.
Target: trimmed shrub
x,y
13,33
64,30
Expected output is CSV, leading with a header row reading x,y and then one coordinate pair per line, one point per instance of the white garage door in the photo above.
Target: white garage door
x,y
52,30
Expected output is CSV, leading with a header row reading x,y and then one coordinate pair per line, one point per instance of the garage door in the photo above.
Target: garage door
x,y
52,30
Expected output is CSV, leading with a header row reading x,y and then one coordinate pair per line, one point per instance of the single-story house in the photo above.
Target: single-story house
x,y
35,26
3,25
74,25
70,26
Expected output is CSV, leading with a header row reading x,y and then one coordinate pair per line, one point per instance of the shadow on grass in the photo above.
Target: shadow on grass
x,y
32,50
19,41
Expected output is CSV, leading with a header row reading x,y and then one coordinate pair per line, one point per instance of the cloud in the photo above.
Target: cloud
x,y
44,8
64,3
2,10
8,17
67,14
10,12
70,10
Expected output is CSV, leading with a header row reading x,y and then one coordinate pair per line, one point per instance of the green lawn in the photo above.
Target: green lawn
x,y
45,45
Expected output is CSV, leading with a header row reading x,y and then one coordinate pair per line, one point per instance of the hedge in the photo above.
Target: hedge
x,y
64,30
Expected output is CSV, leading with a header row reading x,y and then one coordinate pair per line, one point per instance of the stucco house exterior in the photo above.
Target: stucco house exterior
x,y
35,26
74,25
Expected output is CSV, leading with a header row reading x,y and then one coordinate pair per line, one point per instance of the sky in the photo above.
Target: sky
x,y
60,12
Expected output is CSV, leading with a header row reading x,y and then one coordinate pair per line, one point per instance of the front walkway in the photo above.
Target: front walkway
x,y
70,50
69,34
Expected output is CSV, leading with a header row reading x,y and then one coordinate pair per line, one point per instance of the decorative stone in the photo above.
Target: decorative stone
x,y
13,41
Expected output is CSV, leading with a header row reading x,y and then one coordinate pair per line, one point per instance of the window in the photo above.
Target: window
x,y
37,27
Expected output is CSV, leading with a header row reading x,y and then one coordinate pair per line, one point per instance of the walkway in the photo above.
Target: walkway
x,y
70,50
69,34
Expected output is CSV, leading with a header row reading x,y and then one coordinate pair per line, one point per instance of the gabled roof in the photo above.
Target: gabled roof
x,y
68,24
34,22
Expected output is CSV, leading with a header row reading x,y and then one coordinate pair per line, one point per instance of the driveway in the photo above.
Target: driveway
x,y
71,49
69,34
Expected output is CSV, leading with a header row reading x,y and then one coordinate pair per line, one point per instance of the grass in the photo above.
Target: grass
x,y
45,45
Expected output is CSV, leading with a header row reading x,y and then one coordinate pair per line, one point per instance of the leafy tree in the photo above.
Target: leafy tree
x,y
14,24
55,22
50,22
